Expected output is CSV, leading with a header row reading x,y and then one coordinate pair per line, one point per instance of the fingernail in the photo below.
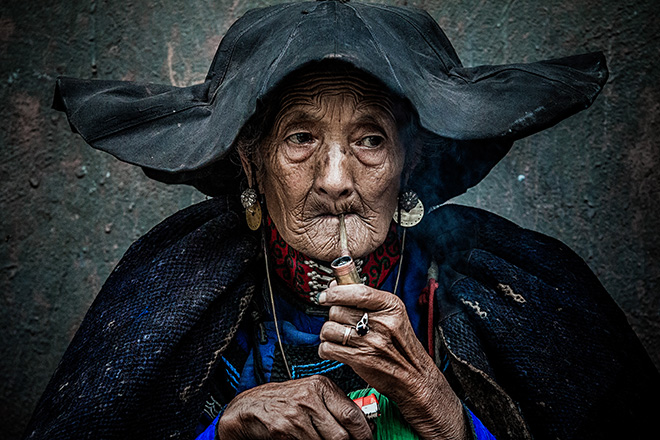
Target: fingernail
x,y
321,297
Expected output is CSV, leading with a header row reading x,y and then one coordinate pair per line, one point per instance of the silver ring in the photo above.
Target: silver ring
x,y
347,335
362,326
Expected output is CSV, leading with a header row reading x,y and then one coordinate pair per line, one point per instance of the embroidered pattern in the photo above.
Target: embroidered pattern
x,y
475,306
212,407
232,374
299,371
508,291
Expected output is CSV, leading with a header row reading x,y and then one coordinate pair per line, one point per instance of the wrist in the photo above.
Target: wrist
x,y
433,409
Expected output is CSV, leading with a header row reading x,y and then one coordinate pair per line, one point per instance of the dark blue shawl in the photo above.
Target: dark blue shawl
x,y
535,343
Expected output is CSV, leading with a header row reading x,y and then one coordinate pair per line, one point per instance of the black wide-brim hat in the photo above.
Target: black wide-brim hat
x,y
185,134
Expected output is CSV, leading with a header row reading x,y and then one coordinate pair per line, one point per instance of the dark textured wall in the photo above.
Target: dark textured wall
x,y
68,213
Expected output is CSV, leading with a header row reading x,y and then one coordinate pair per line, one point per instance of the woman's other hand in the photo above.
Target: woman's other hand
x,y
309,408
390,358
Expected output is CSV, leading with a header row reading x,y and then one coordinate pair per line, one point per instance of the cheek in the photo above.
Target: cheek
x,y
285,187
388,193
387,202
380,185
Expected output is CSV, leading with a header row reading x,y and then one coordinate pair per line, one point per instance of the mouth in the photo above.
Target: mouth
x,y
335,217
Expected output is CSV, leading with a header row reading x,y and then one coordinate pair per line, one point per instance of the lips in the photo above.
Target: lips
x,y
332,215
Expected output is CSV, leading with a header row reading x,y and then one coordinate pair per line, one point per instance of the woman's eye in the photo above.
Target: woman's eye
x,y
371,141
300,138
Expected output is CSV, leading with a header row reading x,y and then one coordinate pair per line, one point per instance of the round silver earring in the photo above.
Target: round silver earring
x,y
410,209
250,202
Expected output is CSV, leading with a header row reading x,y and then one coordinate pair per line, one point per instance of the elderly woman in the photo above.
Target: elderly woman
x,y
346,120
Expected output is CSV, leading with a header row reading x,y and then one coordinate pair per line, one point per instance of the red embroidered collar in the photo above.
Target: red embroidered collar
x,y
307,277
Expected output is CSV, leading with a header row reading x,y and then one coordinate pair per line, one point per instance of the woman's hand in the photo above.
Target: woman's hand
x,y
309,408
391,358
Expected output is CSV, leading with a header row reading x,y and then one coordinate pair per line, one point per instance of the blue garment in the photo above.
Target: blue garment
x,y
298,328
209,432
512,301
479,431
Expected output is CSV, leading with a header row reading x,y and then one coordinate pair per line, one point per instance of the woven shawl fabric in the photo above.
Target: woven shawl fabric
x,y
536,346
522,313
140,363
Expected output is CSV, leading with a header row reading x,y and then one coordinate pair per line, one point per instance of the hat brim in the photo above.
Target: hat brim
x,y
176,133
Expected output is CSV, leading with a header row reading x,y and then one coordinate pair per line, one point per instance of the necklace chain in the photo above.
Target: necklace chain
x,y
326,273
272,304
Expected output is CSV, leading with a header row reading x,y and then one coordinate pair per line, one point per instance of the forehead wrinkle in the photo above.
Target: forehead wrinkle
x,y
314,87
306,109
297,109
381,106
296,116
313,109
377,115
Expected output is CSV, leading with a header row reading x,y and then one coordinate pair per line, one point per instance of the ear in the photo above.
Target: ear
x,y
247,168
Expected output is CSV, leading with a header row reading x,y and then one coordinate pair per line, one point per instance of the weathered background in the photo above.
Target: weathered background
x,y
68,213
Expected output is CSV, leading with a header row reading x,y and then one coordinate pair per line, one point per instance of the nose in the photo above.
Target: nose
x,y
333,177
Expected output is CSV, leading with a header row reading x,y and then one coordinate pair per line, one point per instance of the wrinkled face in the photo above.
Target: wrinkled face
x,y
333,149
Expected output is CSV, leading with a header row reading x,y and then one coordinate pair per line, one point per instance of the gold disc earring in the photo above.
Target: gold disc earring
x,y
410,209
250,202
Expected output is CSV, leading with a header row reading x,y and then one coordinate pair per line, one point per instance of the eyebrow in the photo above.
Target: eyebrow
x,y
370,116
299,116
375,123
294,117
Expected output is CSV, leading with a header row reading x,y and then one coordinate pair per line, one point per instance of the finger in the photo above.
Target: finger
x,y
357,296
328,427
346,413
307,429
377,362
371,351
345,315
335,333
251,422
